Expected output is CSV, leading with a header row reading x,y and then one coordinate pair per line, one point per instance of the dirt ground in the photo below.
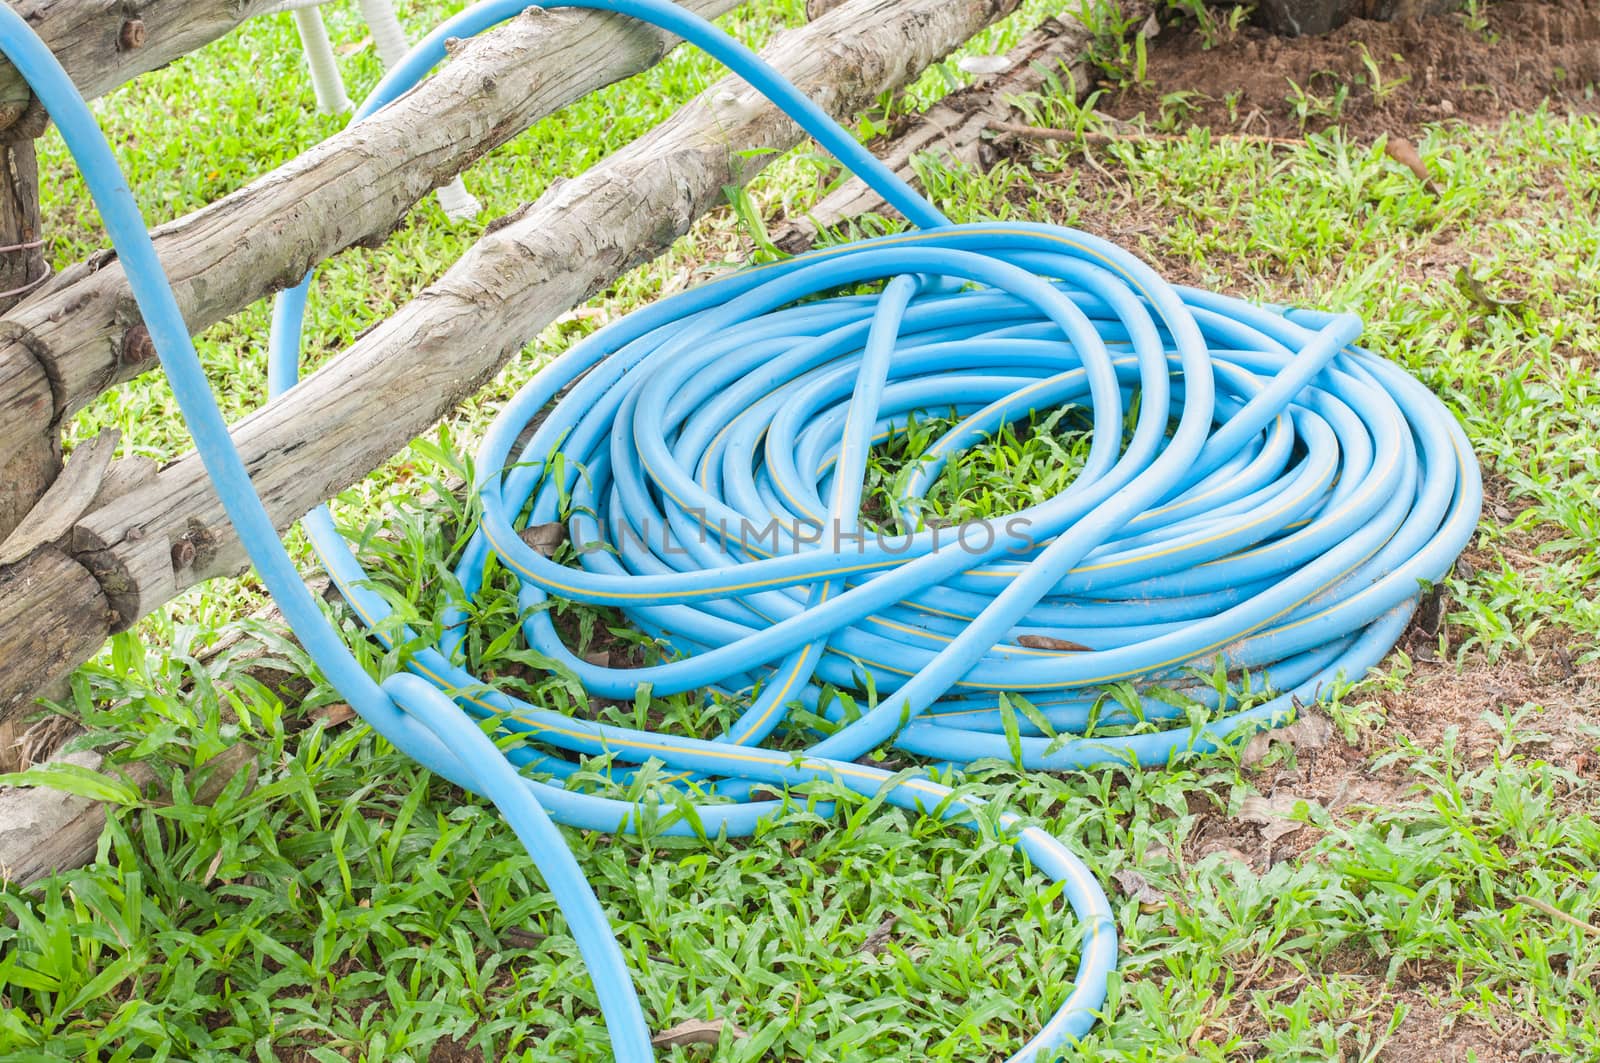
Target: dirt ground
x,y
1429,69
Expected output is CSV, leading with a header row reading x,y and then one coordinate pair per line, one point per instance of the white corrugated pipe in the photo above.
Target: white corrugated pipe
x,y
325,79
389,37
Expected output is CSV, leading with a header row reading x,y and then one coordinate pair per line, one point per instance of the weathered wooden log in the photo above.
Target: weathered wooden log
x,y
43,831
82,333
28,470
407,373
102,45
48,601
22,263
957,127
67,498
26,475
815,9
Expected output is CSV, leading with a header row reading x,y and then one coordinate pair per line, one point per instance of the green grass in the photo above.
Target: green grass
x,y
350,906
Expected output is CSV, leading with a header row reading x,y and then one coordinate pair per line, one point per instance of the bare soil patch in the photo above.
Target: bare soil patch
x,y
1429,1033
1430,69
1555,708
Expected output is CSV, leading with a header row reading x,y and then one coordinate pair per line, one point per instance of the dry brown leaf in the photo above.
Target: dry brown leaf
x,y
545,538
1045,642
211,869
335,714
1310,731
879,938
1137,888
1404,152
696,1032
1274,815
1256,750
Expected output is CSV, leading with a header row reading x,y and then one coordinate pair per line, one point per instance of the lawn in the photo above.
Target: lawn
x,y
1409,874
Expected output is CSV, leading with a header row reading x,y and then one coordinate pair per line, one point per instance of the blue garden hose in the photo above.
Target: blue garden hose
x,y
1280,501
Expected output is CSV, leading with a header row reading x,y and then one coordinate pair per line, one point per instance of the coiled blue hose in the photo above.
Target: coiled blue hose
x,y
1281,498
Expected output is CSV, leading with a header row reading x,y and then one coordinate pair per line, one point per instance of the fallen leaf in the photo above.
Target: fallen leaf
x,y
1136,887
354,47
1273,815
879,938
1256,750
1404,152
1045,642
582,313
335,714
545,538
1561,658
1310,731
696,1032
211,870
1431,610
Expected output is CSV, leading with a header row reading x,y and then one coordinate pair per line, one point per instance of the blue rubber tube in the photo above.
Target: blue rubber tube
x,y
1281,498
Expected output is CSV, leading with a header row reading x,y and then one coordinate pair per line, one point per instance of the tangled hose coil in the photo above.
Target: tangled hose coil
x,y
1281,499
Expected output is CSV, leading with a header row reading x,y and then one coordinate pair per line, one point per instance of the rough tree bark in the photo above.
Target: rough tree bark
x,y
440,348
31,465
81,333
43,831
21,245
